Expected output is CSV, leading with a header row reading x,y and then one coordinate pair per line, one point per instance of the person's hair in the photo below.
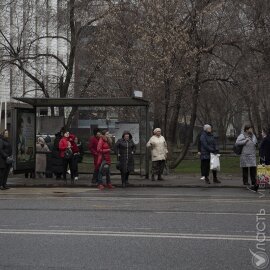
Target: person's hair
x,y
103,132
109,140
3,132
266,130
247,127
95,131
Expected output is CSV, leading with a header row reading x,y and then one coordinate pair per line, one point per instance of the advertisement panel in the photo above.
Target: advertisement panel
x,y
24,138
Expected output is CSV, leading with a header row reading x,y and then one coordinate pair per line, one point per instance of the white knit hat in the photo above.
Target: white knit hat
x,y
156,130
205,127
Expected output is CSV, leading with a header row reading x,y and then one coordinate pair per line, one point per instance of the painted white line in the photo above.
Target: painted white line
x,y
132,235
248,201
208,213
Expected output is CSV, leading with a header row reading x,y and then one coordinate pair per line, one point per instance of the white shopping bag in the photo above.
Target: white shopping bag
x,y
215,162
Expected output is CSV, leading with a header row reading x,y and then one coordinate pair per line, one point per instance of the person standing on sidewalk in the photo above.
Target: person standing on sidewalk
x,y
92,146
248,155
125,149
67,156
5,152
104,159
159,151
265,147
75,157
208,146
214,172
41,157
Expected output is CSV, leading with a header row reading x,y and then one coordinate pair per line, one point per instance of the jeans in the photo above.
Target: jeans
x,y
104,169
4,175
68,163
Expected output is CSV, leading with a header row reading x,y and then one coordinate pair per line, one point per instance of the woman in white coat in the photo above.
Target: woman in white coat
x,y
159,151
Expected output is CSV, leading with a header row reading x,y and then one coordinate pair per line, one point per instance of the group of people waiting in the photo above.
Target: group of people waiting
x,y
66,152
100,145
248,143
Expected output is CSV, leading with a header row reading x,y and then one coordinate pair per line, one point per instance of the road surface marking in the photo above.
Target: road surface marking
x,y
132,234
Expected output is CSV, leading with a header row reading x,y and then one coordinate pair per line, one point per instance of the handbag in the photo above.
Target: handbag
x,y
215,162
9,160
68,153
237,149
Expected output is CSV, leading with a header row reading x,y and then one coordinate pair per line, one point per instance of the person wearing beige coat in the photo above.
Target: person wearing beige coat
x,y
41,158
159,151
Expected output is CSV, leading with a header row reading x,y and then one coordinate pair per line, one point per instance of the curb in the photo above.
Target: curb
x,y
120,186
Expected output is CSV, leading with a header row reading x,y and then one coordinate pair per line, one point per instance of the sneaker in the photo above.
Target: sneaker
x,y
76,178
253,188
207,181
110,186
100,187
202,178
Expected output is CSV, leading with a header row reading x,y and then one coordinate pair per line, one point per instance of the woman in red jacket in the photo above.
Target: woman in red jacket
x,y
104,159
64,147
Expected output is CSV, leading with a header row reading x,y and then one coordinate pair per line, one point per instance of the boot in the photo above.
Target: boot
x,y
207,181
215,180
160,178
153,177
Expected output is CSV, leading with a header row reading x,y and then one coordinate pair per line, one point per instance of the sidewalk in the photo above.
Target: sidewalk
x,y
173,180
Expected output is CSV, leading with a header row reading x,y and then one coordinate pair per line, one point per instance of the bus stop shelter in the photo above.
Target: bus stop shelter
x,y
36,103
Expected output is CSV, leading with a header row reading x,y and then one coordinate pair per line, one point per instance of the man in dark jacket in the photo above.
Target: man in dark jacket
x,y
125,149
214,172
5,152
265,147
57,161
207,146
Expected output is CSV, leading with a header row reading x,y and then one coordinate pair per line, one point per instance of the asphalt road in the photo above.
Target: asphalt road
x,y
159,228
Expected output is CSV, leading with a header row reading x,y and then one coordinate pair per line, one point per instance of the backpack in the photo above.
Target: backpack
x,y
68,153
237,149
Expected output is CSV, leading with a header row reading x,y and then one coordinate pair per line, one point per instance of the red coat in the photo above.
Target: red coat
x,y
92,145
63,145
74,146
104,151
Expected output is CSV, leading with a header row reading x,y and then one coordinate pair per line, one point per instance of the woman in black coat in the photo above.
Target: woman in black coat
x,y
5,152
265,147
125,149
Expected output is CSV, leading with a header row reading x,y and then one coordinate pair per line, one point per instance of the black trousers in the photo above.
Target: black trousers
x,y
4,175
68,163
252,172
124,177
75,161
214,172
205,167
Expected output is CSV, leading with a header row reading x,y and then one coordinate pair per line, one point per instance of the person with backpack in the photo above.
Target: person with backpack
x,y
5,159
248,141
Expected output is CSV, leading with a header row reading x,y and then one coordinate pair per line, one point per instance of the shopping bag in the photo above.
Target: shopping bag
x,y
263,174
215,162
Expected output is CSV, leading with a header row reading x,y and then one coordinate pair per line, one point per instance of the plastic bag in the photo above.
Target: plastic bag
x,y
215,162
